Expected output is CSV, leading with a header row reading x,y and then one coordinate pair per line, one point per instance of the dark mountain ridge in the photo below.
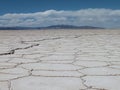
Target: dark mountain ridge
x,y
51,27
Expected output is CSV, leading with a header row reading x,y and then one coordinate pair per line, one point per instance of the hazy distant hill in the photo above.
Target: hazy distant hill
x,y
71,27
51,27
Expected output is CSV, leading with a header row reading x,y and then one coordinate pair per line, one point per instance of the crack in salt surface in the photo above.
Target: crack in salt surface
x,y
13,50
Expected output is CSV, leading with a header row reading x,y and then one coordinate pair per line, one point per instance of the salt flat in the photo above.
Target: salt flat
x,y
60,60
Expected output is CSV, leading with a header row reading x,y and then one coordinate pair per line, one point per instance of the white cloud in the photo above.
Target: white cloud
x,y
94,17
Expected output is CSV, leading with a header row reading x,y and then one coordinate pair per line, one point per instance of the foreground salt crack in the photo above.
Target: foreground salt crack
x,y
60,60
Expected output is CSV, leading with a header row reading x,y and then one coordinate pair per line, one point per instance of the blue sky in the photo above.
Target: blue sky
x,y
36,13
27,6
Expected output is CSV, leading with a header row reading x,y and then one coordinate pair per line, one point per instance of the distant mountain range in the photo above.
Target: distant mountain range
x,y
51,27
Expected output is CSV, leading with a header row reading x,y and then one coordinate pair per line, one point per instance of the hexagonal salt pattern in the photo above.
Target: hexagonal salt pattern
x,y
60,60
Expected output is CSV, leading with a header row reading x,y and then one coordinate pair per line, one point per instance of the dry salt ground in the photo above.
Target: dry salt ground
x,y
60,60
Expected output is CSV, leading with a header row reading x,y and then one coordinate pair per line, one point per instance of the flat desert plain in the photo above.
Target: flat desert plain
x,y
60,60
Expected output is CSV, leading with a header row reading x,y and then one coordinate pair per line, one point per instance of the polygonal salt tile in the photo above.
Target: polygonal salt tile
x,y
7,65
57,61
94,50
97,53
16,70
59,57
63,53
22,60
103,82
93,58
90,63
33,56
12,73
47,66
64,50
57,73
47,83
4,86
100,71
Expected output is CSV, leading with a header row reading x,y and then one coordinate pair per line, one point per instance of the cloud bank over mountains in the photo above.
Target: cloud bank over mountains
x,y
84,17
